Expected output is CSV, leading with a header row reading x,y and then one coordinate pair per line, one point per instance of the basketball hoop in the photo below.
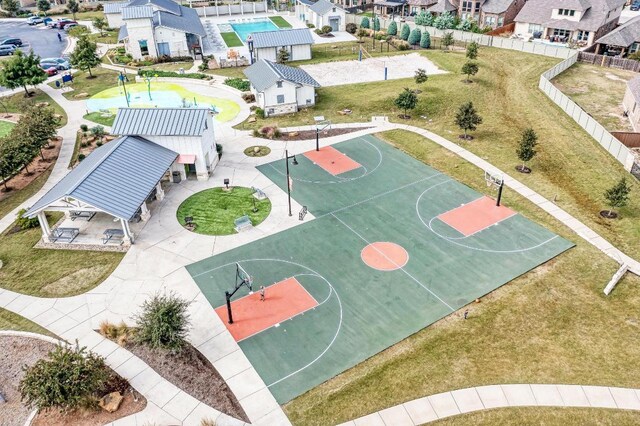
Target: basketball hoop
x,y
495,180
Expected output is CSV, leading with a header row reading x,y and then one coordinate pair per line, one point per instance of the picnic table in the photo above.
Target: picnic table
x,y
66,235
82,215
116,235
242,223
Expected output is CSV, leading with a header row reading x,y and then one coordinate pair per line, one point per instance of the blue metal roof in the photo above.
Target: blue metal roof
x,y
115,178
264,74
123,33
282,38
187,21
167,5
114,7
160,121
323,6
137,12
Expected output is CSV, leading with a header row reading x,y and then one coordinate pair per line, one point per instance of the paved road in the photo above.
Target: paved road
x,y
43,41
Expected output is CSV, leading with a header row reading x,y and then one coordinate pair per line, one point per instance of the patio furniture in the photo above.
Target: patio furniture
x,y
116,235
258,193
82,215
242,223
66,235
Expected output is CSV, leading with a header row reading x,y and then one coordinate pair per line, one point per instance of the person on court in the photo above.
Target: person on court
x,y
262,292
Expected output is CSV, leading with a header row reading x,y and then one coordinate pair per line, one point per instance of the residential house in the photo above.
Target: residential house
x,y
280,89
267,44
152,28
631,102
622,41
113,13
390,7
321,13
442,6
187,131
487,13
568,21
496,13
415,7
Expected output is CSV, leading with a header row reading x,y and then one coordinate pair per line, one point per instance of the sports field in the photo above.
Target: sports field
x,y
395,246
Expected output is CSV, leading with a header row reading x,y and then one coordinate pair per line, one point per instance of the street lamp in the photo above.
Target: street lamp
x,y
289,180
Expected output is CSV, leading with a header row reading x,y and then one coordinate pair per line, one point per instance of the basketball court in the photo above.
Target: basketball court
x,y
395,246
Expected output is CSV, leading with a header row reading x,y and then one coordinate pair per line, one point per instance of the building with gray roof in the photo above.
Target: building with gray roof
x,y
622,41
297,42
631,102
579,22
281,89
321,13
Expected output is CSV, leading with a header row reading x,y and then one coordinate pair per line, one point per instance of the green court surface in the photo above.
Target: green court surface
x,y
361,310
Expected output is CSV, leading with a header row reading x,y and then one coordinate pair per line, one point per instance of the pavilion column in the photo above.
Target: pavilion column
x,y
44,226
128,237
159,192
146,214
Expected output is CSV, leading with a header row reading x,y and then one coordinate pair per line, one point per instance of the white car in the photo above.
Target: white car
x,y
33,20
59,63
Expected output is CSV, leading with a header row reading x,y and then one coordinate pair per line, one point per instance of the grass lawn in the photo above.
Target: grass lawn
x,y
80,16
231,39
15,322
551,325
18,197
102,79
108,37
233,72
570,166
214,210
16,103
98,117
280,22
51,273
599,91
5,128
545,416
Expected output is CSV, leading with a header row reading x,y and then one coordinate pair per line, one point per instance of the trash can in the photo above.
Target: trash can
x,y
176,177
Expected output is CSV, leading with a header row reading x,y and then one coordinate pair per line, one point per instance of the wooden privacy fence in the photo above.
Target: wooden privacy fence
x,y
609,61
628,139
509,28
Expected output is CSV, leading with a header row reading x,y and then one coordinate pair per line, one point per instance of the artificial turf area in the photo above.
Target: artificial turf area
x,y
231,39
280,22
214,210
363,305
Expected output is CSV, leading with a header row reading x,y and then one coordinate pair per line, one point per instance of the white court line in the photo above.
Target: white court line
x,y
399,267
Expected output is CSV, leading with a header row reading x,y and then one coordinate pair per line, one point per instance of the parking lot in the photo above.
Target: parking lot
x,y
43,41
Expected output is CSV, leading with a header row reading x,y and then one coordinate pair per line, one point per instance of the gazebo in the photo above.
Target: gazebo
x,y
116,179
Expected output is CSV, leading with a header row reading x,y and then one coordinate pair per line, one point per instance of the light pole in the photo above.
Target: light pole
x,y
295,163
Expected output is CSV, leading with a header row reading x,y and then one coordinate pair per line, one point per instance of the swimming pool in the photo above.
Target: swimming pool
x,y
245,28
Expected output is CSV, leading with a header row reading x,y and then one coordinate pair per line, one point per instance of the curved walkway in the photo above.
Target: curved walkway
x,y
462,401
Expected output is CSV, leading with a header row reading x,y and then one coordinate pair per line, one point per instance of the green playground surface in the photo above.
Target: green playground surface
x,y
361,310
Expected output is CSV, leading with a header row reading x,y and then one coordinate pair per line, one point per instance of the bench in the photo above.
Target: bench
x,y
66,235
258,193
303,213
242,223
116,235
82,215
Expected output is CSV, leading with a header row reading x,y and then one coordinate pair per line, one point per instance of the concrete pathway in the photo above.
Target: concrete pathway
x,y
462,401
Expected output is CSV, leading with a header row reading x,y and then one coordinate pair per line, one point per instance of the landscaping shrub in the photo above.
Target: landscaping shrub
x,y
414,37
400,44
364,23
81,157
248,97
84,127
153,73
270,132
425,40
163,322
362,33
326,29
351,28
259,112
404,34
393,28
69,378
25,222
238,83
219,149
310,26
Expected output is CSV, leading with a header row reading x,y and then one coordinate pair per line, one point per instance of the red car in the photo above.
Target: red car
x,y
64,23
50,71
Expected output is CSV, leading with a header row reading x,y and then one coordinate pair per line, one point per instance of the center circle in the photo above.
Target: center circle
x,y
384,256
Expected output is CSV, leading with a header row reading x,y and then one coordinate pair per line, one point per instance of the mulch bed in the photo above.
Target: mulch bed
x,y
608,214
523,169
194,374
311,134
36,168
18,351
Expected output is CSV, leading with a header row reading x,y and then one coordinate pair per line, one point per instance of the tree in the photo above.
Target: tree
x,y
393,28
73,7
472,50
101,24
68,379
361,33
467,119
376,24
22,70
283,55
9,160
43,6
526,150
364,23
11,6
404,34
414,36
447,40
470,68
406,100
98,132
425,40
84,56
163,323
36,127
617,196
445,21
421,76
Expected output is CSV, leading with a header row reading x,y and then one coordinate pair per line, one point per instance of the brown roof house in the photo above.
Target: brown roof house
x,y
622,41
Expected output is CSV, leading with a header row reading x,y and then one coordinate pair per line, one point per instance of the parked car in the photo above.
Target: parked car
x,y
57,23
63,23
68,27
33,20
59,63
50,71
47,21
11,41
7,50
635,5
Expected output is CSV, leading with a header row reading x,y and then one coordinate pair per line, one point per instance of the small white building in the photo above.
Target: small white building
x,y
321,13
152,28
280,89
267,44
187,131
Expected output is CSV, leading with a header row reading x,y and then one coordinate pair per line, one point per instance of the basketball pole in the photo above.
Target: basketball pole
x,y
286,159
228,297
499,193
